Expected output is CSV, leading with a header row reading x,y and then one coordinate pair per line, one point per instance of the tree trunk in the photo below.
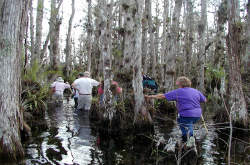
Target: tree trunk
x,y
140,109
105,25
89,31
97,64
201,54
128,35
163,55
148,7
26,47
170,59
236,97
247,56
219,55
69,43
44,49
156,44
39,27
33,58
189,36
55,23
145,39
13,14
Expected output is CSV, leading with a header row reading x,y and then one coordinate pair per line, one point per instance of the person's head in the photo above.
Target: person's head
x,y
183,82
59,79
80,74
86,74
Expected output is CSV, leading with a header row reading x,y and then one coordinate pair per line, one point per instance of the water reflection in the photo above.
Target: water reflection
x,y
71,139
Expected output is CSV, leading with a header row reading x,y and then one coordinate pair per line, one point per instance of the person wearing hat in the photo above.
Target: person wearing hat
x,y
84,86
58,87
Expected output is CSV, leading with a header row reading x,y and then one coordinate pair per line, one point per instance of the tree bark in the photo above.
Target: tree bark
x,y
89,33
247,56
54,31
140,109
163,55
170,59
189,36
148,7
39,28
145,39
156,43
97,64
13,14
219,55
201,54
69,43
33,58
105,25
236,97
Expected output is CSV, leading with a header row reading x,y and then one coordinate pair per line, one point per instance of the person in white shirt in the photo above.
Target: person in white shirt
x,y
84,86
59,86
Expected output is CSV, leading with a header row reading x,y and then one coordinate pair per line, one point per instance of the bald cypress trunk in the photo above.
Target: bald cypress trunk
x,y
69,43
13,14
201,54
128,34
105,28
171,58
247,54
39,27
151,30
55,23
163,53
145,39
140,109
89,33
33,58
237,101
189,36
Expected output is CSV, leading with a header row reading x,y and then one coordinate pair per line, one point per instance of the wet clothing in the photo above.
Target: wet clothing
x,y
75,96
84,102
84,87
59,88
188,105
186,126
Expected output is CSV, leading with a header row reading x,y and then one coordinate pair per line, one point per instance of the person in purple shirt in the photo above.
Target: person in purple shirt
x,y
188,105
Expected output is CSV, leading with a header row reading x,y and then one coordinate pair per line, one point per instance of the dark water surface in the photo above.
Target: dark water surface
x,y
71,139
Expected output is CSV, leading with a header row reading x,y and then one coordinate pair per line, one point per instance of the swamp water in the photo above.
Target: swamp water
x,y
71,139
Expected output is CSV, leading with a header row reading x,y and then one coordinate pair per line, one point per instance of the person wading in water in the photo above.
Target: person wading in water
x,y
188,105
84,86
58,88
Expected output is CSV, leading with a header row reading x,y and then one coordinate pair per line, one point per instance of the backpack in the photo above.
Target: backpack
x,y
150,83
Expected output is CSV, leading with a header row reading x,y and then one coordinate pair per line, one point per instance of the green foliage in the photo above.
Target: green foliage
x,y
117,53
34,91
34,100
73,75
31,74
213,73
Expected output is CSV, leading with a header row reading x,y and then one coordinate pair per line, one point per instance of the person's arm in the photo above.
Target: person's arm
x,y
158,96
94,82
73,85
53,85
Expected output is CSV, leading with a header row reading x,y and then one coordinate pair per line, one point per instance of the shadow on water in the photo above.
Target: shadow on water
x,y
71,139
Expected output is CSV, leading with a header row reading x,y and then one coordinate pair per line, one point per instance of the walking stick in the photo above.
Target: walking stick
x,y
204,123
